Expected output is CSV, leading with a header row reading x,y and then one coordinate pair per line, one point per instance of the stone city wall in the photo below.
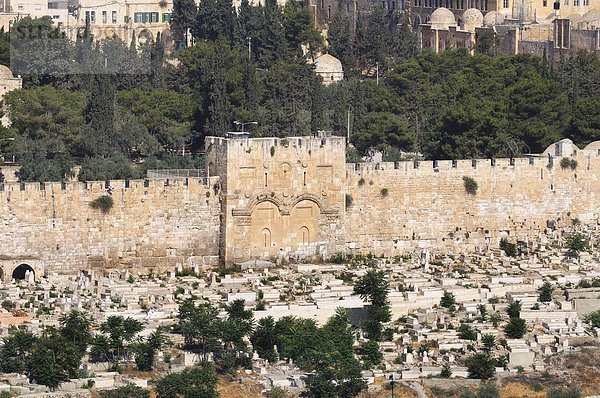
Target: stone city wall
x,y
412,205
153,224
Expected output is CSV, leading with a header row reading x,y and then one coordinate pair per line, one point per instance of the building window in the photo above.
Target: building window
x,y
166,17
586,3
575,3
38,7
114,17
266,179
154,17
55,16
505,4
20,7
90,16
567,3
328,12
104,17
52,6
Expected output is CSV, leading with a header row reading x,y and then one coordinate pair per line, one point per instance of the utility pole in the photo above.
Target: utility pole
x,y
348,128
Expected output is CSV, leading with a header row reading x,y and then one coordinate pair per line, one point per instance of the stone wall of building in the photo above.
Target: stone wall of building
x,y
281,197
412,206
154,224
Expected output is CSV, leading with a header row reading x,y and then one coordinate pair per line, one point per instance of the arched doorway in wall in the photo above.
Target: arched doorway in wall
x,y
23,272
266,230
304,223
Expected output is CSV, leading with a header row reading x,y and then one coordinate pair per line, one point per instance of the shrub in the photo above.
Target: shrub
x,y
361,182
568,163
104,203
470,185
384,192
272,151
510,249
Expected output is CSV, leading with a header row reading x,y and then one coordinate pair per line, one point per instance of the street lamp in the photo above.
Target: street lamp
x,y
238,123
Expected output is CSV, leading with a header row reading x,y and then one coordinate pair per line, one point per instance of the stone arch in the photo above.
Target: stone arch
x,y
167,40
145,36
307,196
23,271
258,201
417,21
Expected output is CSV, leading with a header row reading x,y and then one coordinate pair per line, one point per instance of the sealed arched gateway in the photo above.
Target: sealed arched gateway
x,y
23,272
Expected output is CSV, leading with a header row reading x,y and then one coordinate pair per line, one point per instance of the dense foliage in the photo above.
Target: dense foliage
x,y
255,64
52,357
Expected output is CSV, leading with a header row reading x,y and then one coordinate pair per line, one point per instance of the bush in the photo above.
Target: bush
x,y
572,392
104,203
568,163
361,182
470,185
384,192
481,366
510,249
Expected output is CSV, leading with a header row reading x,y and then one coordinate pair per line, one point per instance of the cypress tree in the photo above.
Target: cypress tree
x,y
182,19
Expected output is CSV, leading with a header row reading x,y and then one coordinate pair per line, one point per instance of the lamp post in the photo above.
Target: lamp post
x,y
238,123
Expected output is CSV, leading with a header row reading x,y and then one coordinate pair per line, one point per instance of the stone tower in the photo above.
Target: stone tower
x,y
281,198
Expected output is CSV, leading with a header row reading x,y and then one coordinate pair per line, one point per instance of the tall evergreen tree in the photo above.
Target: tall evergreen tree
x,y
341,42
183,18
99,117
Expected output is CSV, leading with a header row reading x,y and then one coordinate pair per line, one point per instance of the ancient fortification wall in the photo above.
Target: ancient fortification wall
x,y
412,205
154,224
296,198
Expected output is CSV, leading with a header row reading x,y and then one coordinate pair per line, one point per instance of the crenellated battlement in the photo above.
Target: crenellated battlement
x,y
284,198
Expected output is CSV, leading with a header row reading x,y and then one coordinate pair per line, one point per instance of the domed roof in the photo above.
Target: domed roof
x,y
5,72
328,63
473,17
490,18
442,18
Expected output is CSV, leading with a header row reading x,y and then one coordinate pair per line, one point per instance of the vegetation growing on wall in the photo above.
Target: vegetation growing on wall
x,y
103,203
470,185
568,163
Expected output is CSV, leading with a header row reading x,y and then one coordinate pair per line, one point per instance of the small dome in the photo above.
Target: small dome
x,y
490,18
328,63
441,18
5,72
473,17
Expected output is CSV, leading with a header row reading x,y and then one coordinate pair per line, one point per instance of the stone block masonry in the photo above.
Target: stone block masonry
x,y
294,199
154,225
